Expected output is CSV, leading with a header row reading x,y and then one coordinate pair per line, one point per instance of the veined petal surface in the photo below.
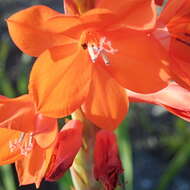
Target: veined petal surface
x,y
172,8
60,80
174,98
31,33
46,131
6,156
140,64
107,103
32,168
17,113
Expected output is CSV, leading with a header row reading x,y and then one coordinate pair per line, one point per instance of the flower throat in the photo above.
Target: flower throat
x,y
97,46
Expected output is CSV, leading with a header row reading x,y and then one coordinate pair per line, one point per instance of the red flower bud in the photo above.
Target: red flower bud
x,y
106,157
159,2
68,144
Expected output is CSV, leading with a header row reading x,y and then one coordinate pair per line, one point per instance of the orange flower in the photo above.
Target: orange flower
x,y
176,19
29,139
174,98
83,60
107,164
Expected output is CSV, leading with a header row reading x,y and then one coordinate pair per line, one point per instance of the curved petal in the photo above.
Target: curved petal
x,y
179,48
17,113
29,31
100,16
174,98
180,72
32,168
140,63
136,14
46,132
107,103
172,8
72,26
6,156
59,83
69,141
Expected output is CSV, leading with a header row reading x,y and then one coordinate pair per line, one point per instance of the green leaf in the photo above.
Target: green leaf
x,y
175,166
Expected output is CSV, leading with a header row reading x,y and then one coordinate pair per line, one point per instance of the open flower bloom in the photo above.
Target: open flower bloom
x,y
107,164
30,139
175,18
27,137
174,98
84,60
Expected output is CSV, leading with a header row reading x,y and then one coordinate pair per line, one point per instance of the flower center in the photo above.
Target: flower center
x,y
24,143
98,47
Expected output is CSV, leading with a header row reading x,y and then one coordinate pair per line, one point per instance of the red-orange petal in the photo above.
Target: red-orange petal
x,y
32,168
140,64
68,144
179,48
174,98
60,80
107,102
17,113
6,156
73,26
172,8
136,14
46,131
29,31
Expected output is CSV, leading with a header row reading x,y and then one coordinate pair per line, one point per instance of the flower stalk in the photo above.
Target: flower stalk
x,y
82,168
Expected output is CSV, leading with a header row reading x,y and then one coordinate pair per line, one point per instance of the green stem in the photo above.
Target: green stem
x,y
7,177
177,163
126,154
82,168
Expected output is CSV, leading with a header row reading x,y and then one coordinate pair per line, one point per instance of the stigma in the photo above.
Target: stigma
x,y
24,143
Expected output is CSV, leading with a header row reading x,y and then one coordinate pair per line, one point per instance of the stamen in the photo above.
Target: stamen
x,y
27,145
23,143
93,52
105,59
104,48
16,143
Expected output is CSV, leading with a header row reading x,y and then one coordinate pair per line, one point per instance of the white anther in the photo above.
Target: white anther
x,y
93,52
23,143
104,47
